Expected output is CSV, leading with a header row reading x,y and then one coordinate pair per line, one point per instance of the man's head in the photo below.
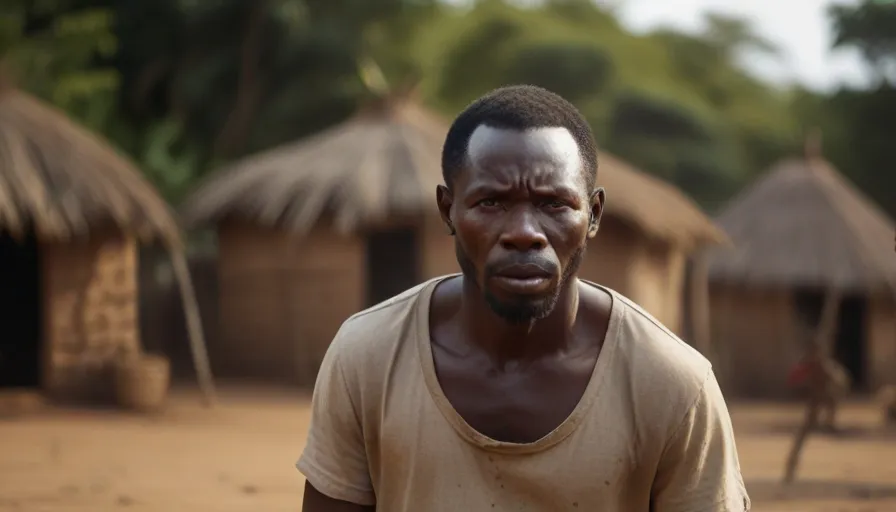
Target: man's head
x,y
520,165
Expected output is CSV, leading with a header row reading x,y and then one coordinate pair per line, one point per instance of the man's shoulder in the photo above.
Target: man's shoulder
x,y
378,328
660,362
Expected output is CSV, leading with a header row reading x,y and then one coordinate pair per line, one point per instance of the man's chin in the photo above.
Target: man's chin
x,y
522,309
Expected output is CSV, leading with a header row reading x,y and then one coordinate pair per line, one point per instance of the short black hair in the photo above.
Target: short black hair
x,y
518,107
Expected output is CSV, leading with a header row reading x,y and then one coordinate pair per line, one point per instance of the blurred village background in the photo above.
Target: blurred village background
x,y
202,191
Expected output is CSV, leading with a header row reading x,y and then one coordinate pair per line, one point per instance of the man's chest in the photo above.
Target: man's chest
x,y
426,461
516,405
421,449
514,410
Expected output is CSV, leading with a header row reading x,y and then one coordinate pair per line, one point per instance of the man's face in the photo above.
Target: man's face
x,y
522,217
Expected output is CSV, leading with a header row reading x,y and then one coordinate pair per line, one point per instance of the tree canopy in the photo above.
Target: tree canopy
x,y
183,85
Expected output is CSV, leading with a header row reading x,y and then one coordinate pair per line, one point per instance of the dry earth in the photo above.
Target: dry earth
x,y
240,457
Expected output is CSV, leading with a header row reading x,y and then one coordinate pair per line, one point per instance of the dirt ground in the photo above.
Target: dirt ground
x,y
240,457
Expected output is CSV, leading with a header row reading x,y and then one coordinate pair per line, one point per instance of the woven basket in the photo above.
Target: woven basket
x,y
14,403
141,382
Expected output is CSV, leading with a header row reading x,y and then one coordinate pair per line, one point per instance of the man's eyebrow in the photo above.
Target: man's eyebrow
x,y
477,190
561,190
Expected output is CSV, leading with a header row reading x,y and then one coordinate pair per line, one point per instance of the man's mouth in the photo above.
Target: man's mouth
x,y
523,279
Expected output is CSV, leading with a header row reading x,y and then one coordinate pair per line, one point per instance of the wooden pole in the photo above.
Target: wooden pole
x,y
826,330
194,324
699,299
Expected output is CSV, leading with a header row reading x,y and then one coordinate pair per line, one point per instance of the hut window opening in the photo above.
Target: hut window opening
x,y
20,312
393,263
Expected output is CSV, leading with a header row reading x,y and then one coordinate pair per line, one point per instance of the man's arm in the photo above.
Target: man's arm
x,y
334,461
699,468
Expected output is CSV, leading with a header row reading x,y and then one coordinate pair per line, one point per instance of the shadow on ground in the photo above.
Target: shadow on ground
x,y
768,490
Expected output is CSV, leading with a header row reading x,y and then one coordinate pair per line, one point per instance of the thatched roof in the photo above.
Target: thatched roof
x,y
803,224
61,180
383,162
387,161
654,206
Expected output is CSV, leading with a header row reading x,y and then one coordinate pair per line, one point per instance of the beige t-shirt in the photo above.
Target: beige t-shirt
x,y
651,431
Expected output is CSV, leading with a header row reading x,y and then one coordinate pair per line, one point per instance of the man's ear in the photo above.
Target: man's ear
x,y
445,200
597,200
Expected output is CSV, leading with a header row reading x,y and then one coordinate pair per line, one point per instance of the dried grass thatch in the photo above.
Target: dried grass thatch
x,y
383,162
803,224
654,206
61,180
386,162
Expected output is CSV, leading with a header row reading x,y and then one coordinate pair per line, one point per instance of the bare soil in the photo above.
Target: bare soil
x,y
240,456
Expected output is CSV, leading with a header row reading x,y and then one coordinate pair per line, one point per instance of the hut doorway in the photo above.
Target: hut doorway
x,y
393,263
850,337
850,343
20,313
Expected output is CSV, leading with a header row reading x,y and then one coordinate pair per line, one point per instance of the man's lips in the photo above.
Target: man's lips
x,y
523,279
526,271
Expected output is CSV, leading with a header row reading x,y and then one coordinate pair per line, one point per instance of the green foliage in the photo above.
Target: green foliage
x,y
166,162
860,124
57,51
182,85
575,71
869,26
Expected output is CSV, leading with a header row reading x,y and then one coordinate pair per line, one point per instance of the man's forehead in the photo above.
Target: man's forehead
x,y
550,144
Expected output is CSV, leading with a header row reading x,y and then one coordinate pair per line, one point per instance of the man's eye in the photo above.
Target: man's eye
x,y
555,204
488,203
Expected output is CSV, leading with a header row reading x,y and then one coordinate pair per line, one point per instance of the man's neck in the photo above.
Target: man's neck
x,y
506,342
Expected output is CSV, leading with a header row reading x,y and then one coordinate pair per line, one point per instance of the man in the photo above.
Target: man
x,y
515,385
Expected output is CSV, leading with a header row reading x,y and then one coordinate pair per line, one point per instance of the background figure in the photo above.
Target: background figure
x,y
825,383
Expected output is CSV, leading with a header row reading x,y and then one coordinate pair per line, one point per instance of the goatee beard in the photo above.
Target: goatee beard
x,y
525,310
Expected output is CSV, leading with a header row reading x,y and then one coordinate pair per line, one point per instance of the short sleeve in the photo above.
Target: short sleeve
x,y
335,459
699,469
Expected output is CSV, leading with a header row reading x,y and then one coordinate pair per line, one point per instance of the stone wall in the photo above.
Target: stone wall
x,y
90,314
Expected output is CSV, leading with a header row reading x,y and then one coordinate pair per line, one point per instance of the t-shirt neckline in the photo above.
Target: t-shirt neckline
x,y
598,375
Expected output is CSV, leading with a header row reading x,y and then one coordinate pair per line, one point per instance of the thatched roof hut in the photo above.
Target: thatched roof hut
x,y
314,231
804,224
381,164
654,206
71,213
61,180
801,232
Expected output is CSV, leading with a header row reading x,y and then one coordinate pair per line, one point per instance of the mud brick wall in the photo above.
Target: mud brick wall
x,y
282,299
90,314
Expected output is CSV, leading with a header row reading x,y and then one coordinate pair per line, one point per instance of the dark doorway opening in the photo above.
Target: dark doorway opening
x,y
393,262
20,313
849,347
850,342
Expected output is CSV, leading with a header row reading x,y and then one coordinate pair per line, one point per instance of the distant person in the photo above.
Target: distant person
x,y
825,383
515,385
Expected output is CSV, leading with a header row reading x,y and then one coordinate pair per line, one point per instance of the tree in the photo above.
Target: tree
x,y
869,26
60,51
866,119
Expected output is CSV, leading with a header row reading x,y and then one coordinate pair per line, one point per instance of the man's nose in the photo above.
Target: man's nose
x,y
522,233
